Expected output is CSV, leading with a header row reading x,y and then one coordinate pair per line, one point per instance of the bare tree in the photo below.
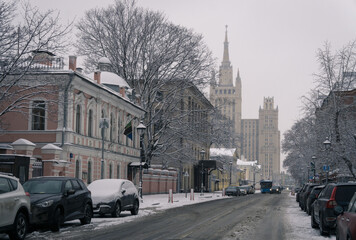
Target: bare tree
x,y
299,145
335,113
35,34
158,59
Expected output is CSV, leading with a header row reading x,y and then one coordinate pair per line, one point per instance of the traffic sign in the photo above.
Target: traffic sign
x,y
326,168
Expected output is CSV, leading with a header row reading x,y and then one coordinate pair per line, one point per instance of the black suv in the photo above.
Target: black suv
x,y
305,194
55,200
232,191
312,196
322,212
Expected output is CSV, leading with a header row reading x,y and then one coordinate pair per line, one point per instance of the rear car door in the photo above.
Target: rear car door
x,y
9,202
80,196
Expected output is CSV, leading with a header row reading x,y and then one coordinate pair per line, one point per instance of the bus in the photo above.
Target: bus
x,y
266,186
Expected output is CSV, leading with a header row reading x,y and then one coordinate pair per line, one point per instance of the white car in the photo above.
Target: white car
x,y
14,208
113,196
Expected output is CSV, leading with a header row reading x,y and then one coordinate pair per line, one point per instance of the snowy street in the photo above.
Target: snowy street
x,y
294,223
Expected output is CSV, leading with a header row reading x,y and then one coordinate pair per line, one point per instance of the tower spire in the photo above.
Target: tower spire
x,y
226,49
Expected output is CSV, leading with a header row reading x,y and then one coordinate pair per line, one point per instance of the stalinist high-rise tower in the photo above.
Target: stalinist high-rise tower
x,y
254,139
227,96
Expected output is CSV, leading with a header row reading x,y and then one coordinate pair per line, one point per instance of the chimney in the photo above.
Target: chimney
x,y
122,91
72,63
97,76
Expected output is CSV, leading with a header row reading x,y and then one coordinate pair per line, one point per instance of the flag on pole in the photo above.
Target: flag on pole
x,y
128,130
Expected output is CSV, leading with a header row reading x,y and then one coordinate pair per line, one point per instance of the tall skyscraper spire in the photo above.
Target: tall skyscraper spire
x,y
225,67
226,49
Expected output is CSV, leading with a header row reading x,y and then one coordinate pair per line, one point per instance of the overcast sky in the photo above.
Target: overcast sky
x,y
272,42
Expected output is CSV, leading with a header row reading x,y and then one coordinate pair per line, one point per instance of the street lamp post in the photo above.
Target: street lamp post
x,y
202,154
230,170
313,167
327,145
103,124
141,130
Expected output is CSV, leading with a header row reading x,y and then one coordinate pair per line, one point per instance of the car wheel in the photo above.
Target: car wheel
x,y
312,220
57,221
117,210
322,228
134,210
88,213
20,227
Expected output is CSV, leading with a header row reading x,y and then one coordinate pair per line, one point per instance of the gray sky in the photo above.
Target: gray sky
x,y
272,42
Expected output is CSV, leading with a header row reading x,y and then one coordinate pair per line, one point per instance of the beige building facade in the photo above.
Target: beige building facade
x,y
255,139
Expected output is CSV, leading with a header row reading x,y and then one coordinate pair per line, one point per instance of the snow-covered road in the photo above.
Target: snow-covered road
x,y
297,221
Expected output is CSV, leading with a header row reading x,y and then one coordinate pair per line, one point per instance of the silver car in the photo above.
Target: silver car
x,y
111,196
14,208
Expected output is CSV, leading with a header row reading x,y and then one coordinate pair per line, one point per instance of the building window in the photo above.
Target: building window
x,y
77,168
77,119
90,123
38,115
89,172
110,170
111,127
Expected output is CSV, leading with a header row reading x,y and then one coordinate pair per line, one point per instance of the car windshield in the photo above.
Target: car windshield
x,y
231,188
43,187
275,187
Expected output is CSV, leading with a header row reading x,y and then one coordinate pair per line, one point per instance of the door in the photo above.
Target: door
x,y
80,197
9,202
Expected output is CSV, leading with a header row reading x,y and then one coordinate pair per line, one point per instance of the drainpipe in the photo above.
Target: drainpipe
x,y
65,107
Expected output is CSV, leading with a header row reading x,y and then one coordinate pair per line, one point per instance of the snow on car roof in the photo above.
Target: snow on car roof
x,y
105,184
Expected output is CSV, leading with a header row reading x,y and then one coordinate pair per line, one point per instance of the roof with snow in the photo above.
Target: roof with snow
x,y
245,163
222,152
113,79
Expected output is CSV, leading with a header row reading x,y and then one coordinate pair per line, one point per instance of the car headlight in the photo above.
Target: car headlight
x,y
45,204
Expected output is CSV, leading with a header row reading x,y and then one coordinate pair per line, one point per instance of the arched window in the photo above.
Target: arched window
x,y
90,123
77,168
110,170
111,126
89,172
77,119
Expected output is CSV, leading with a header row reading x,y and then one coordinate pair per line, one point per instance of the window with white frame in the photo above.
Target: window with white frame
x,y
38,115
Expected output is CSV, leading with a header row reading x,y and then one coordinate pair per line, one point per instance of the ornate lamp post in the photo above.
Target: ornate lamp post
x,y
141,131
202,154
230,171
103,124
312,165
327,145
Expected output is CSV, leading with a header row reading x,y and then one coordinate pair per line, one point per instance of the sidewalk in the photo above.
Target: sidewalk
x,y
162,201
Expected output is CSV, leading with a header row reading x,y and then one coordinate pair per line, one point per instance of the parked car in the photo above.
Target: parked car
x,y
14,208
232,191
304,196
275,189
249,189
299,193
312,196
55,200
322,213
243,190
113,196
346,221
